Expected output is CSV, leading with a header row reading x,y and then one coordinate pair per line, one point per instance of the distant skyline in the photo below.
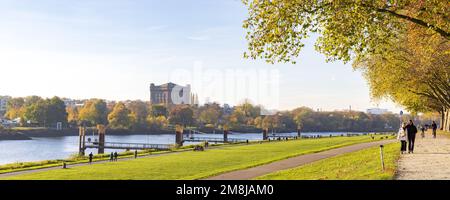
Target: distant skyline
x,y
113,49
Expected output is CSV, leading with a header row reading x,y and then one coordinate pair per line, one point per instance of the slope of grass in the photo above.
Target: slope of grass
x,y
364,164
195,165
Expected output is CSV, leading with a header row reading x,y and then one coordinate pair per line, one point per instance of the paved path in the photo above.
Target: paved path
x,y
293,162
430,161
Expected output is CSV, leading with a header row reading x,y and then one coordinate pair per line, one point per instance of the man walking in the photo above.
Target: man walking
x,y
90,157
115,156
411,130
434,127
111,157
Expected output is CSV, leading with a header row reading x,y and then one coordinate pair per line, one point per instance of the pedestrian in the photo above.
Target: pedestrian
x,y
434,127
90,157
401,135
411,131
115,156
422,129
111,157
135,154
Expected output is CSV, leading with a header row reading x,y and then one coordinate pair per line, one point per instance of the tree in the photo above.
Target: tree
x,y
37,112
258,122
158,110
271,122
94,112
15,108
72,115
56,111
157,123
392,42
210,114
300,115
181,114
138,112
415,74
119,117
347,28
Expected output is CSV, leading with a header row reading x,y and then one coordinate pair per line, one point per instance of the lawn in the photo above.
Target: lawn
x,y
364,164
195,165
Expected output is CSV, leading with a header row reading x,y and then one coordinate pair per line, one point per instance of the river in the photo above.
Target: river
x,y
50,148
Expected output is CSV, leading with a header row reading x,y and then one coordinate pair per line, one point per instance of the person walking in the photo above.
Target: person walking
x,y
115,156
434,127
135,154
90,157
401,135
422,129
411,131
111,157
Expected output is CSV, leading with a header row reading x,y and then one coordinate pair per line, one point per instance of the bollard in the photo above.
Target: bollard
x,y
381,155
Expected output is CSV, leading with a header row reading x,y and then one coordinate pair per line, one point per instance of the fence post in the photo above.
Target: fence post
x,y
382,159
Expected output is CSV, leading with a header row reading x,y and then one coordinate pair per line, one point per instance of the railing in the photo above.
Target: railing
x,y
119,145
209,139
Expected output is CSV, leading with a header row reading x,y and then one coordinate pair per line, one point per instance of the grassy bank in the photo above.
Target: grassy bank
x,y
364,164
195,165
75,159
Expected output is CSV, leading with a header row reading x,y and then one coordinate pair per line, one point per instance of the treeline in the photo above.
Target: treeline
x,y
140,115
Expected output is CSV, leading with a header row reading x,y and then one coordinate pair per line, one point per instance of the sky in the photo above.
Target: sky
x,y
114,49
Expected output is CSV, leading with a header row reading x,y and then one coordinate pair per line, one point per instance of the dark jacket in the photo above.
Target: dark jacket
x,y
434,126
411,129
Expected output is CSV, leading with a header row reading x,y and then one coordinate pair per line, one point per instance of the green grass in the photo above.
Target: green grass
x,y
27,128
195,165
75,159
364,164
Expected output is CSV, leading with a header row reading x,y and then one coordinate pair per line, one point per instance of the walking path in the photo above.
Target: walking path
x,y
293,162
430,161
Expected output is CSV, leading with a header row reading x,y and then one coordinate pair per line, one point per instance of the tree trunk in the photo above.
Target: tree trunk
x,y
447,120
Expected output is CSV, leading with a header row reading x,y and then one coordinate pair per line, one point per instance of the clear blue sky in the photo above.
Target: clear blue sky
x,y
113,49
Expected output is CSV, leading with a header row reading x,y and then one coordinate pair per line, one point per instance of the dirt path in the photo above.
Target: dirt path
x,y
293,162
430,161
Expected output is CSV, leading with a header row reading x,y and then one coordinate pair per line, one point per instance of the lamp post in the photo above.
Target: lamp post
x,y
401,117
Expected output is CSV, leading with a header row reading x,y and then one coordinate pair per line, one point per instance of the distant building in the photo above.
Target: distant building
x,y
377,111
4,103
227,109
72,103
171,93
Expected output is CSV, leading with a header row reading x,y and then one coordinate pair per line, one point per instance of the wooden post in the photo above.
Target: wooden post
x,y
381,155
179,135
101,138
265,131
81,144
225,134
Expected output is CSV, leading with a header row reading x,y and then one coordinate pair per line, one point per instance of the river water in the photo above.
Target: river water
x,y
49,148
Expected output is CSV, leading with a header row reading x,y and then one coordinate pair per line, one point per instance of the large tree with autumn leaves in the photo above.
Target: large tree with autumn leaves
x,y
402,46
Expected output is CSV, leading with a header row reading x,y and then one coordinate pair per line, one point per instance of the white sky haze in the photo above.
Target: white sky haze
x,y
114,49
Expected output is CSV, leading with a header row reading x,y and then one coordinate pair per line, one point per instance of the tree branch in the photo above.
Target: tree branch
x,y
420,22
